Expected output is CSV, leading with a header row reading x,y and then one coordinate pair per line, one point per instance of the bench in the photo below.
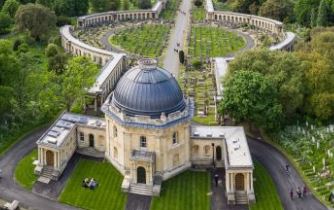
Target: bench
x,y
12,206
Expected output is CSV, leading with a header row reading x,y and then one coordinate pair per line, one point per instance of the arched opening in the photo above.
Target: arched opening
x,y
207,149
195,150
91,140
239,182
141,175
218,153
49,158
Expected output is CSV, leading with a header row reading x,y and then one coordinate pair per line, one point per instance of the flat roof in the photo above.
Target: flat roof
x,y
65,31
238,153
290,37
105,72
63,126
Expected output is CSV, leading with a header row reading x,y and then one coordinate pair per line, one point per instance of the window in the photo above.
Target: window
x,y
143,142
175,139
115,131
82,136
207,150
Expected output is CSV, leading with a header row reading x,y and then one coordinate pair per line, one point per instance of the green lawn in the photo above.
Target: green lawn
x,y
24,172
148,40
169,13
198,13
265,191
208,41
107,195
189,190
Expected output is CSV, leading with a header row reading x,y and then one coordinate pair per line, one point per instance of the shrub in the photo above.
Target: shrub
x,y
16,44
51,50
23,48
5,23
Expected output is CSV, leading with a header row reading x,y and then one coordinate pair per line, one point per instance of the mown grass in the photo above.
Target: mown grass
x,y
206,42
24,171
265,191
189,190
107,195
147,40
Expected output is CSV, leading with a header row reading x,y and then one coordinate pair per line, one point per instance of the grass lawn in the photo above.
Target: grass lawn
x,y
189,190
169,13
265,191
107,195
213,42
148,40
24,172
198,13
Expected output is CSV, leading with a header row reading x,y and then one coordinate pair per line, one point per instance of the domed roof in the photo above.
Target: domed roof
x,y
148,90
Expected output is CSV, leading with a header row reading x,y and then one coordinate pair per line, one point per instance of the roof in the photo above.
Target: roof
x,y
148,90
105,72
238,154
289,38
62,127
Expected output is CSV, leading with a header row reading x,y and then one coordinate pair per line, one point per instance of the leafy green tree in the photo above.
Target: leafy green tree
x,y
47,3
10,7
36,19
322,13
5,23
313,22
126,4
144,4
79,75
250,96
51,50
57,63
276,9
181,56
302,10
71,7
100,5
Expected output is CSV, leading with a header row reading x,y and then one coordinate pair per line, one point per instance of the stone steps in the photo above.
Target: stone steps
x,y
141,189
241,198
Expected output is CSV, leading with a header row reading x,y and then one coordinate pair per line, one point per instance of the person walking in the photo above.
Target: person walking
x,y
305,191
216,179
291,194
299,192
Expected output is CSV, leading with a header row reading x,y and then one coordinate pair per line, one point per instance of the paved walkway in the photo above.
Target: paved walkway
x,y
138,202
218,199
9,190
275,163
171,59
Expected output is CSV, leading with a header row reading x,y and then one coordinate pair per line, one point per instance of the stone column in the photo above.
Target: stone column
x,y
54,159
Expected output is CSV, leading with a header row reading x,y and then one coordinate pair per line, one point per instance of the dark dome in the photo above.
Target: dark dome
x,y
148,90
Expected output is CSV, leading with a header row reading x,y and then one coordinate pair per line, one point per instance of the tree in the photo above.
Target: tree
x,y
126,4
276,9
302,10
47,3
322,14
313,22
57,63
144,4
36,19
198,3
79,75
51,50
250,96
5,23
181,56
100,5
10,7
71,7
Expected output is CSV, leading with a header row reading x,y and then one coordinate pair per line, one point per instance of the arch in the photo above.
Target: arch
x,y
207,149
115,153
141,175
49,158
195,149
239,182
91,140
218,153
176,160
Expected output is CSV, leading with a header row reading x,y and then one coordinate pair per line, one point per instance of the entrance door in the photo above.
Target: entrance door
x,y
91,140
239,182
218,153
49,158
141,175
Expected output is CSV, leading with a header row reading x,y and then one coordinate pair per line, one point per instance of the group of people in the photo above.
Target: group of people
x,y
182,12
89,183
299,192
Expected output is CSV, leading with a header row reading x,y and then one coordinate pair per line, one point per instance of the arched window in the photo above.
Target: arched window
x,y
115,131
143,142
195,149
175,138
115,153
207,149
82,136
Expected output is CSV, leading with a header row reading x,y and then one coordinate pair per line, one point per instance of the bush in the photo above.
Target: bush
x,y
198,3
57,63
23,48
63,20
16,44
5,23
55,40
51,50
